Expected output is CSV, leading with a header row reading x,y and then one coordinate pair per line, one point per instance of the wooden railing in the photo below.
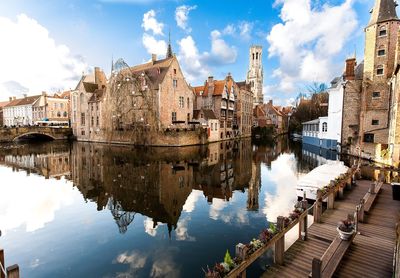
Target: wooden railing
x,y
329,192
9,272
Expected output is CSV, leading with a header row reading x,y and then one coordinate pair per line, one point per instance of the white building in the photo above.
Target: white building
x,y
19,112
326,132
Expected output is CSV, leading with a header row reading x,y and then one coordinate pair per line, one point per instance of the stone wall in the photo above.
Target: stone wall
x,y
351,112
11,134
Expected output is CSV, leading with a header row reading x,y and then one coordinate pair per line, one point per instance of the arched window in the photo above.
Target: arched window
x,y
381,50
58,114
65,114
324,127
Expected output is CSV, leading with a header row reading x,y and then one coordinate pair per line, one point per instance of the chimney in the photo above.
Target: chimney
x,y
210,84
270,102
25,95
44,93
14,98
153,57
97,75
349,73
10,98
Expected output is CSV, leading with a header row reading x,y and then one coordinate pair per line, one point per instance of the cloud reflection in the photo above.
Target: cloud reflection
x,y
283,176
32,203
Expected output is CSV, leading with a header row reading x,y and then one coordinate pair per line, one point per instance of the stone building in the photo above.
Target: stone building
x,y
83,109
207,119
220,96
255,74
277,118
51,108
366,115
244,108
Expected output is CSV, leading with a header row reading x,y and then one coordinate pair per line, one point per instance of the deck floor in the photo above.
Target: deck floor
x,y
371,254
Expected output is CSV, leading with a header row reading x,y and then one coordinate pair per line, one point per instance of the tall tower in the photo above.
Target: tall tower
x,y
255,73
380,50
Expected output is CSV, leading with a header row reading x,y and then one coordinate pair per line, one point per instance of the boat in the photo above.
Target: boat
x,y
296,137
318,178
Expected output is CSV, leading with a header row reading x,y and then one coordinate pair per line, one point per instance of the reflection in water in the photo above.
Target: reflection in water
x,y
176,209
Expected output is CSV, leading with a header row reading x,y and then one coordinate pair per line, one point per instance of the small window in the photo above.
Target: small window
x,y
375,122
174,71
369,138
376,94
379,70
212,126
65,114
381,52
175,83
173,116
181,102
324,127
382,33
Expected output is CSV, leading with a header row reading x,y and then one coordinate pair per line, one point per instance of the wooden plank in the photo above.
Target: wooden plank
x,y
2,274
13,271
371,196
337,257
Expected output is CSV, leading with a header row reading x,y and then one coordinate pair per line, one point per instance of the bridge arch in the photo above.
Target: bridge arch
x,y
26,135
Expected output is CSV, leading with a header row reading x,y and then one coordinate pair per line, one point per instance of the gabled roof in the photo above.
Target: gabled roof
x,y
90,87
359,71
23,101
97,95
3,103
316,121
219,86
154,70
207,113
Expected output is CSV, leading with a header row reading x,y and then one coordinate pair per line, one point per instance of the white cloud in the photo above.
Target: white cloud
x,y
182,16
245,28
308,40
221,52
154,46
229,29
150,23
191,60
32,61
191,201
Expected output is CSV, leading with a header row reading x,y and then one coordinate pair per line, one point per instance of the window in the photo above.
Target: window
x,y
188,117
83,119
212,126
376,94
375,122
174,71
368,137
187,102
324,127
381,52
382,32
65,114
216,126
82,132
253,59
91,107
379,70
97,121
58,114
92,121
175,83
256,55
173,116
181,102
61,105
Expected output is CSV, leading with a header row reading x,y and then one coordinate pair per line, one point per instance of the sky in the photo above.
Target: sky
x,y
47,45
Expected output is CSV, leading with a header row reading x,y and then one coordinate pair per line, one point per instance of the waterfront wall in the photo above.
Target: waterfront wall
x,y
11,134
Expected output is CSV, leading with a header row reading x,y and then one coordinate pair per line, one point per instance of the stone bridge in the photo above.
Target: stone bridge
x,y
53,133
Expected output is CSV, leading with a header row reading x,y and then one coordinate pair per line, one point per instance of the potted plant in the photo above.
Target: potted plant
x,y
345,229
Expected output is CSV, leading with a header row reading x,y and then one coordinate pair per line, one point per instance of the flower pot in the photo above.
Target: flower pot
x,y
345,235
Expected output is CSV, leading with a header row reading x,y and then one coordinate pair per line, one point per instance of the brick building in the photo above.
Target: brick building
x,y
366,118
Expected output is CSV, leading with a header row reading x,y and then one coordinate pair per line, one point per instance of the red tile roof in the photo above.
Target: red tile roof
x,y
23,101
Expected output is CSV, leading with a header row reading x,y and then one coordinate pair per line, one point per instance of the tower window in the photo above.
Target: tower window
x,y
253,56
376,94
369,138
256,55
381,52
375,122
382,32
379,70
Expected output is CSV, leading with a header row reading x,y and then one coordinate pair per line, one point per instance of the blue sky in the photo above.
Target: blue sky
x,y
48,44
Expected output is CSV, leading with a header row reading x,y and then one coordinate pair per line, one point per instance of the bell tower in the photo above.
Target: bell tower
x,y
255,73
380,50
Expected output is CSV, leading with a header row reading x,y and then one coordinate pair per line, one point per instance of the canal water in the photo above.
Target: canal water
x,y
95,210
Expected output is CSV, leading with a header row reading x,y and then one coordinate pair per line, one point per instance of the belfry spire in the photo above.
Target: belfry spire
x,y
384,10
169,49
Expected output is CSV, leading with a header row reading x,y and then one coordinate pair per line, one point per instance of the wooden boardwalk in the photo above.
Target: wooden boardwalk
x,y
370,255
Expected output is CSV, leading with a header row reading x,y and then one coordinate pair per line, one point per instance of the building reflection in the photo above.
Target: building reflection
x,y
154,182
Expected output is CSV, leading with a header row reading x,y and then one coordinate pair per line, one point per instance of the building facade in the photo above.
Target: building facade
x,y
51,108
19,112
255,74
